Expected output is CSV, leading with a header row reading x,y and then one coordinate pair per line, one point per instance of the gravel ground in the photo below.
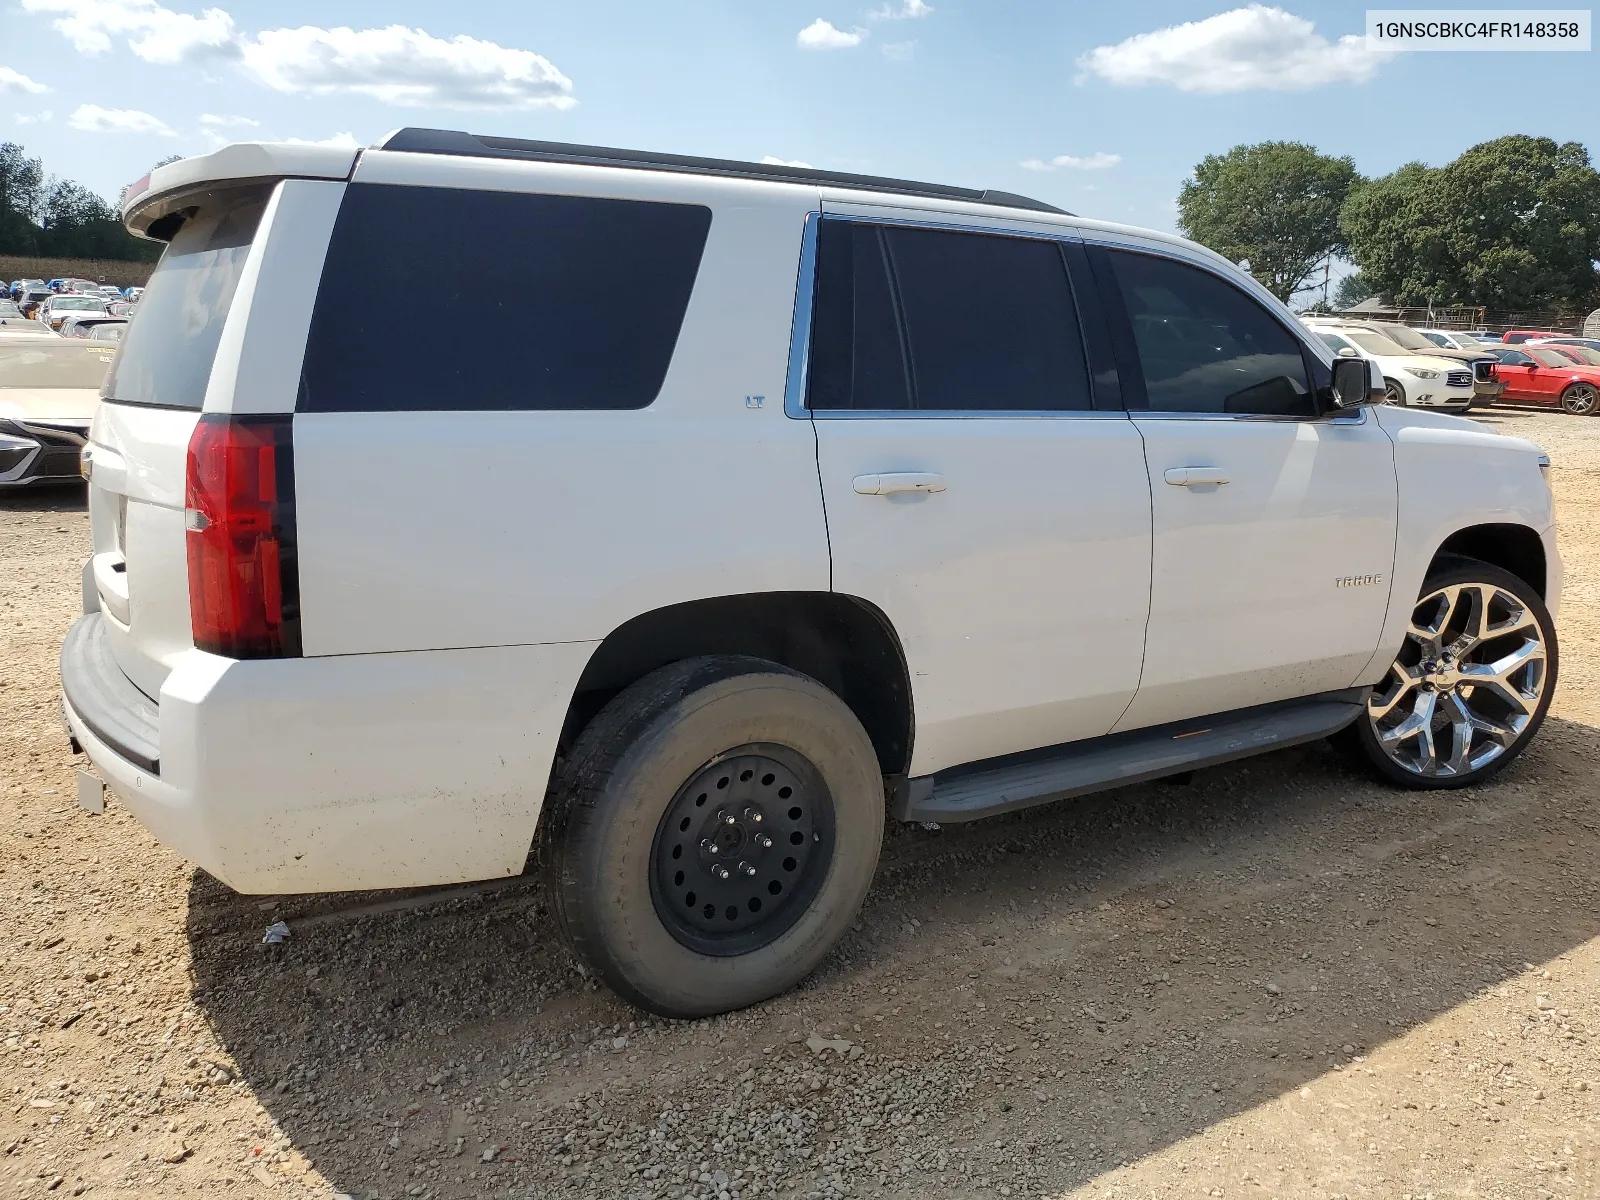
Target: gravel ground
x,y
1279,980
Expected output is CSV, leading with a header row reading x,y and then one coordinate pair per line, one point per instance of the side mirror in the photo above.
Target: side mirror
x,y
1347,352
1352,386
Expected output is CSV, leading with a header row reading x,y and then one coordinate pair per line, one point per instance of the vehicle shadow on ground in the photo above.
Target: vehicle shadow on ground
x,y
70,497
1148,922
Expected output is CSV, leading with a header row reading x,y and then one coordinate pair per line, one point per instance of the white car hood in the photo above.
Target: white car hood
x,y
1397,421
1422,362
70,405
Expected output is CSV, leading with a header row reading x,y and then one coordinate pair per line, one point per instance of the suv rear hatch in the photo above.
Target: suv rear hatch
x,y
140,438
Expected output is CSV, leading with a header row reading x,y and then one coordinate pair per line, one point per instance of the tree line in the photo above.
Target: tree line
x,y
58,218
1513,223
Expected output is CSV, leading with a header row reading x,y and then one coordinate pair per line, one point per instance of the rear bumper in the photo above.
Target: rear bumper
x,y
337,773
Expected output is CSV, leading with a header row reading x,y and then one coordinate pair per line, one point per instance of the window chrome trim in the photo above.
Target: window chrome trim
x,y
968,414
1355,417
794,386
955,225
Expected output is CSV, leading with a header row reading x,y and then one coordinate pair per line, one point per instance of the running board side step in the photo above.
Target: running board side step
x,y
1003,785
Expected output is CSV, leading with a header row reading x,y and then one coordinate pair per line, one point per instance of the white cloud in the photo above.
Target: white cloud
x,y
773,161
1256,48
91,118
822,35
909,10
899,51
153,32
1073,162
213,121
16,81
34,118
406,67
339,141
397,64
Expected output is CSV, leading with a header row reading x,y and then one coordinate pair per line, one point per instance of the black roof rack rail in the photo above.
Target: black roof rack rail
x,y
447,141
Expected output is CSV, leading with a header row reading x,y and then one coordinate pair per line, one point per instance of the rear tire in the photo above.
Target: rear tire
x,y
1470,686
680,777
1581,399
1393,392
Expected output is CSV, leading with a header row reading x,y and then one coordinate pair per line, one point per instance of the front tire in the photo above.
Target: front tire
x,y
713,834
1471,684
1581,399
1393,392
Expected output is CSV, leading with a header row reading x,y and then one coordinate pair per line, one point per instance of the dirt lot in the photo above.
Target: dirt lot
x,y
1281,980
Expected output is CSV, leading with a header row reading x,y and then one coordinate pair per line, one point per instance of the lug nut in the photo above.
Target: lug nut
x,y
720,871
708,846
727,820
752,815
746,869
763,841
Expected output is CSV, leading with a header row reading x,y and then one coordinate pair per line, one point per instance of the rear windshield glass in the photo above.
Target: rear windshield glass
x,y
595,288
52,363
166,360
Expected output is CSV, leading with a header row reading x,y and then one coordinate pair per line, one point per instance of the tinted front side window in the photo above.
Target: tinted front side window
x,y
939,320
167,359
596,290
1206,346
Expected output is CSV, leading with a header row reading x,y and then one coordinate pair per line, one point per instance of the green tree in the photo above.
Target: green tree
x,y
1276,204
1350,291
80,224
21,198
1512,223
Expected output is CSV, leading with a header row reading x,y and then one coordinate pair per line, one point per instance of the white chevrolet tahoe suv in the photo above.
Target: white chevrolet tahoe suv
x,y
799,501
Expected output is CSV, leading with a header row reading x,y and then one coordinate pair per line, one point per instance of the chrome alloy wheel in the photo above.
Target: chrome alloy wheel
x,y
1466,685
1581,399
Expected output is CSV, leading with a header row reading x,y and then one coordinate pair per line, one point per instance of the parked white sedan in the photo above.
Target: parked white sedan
x,y
1409,379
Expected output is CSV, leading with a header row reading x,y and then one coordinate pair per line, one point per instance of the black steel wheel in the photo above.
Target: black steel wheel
x,y
742,849
712,834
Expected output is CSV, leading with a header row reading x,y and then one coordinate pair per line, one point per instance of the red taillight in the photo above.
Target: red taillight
x,y
239,501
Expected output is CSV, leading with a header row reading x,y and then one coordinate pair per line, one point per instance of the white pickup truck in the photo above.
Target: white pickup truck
x,y
797,502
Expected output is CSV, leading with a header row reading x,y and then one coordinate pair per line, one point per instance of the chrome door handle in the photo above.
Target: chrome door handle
x,y
898,481
1195,476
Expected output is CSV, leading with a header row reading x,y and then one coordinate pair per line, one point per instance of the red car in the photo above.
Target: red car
x,y
1578,354
1515,337
1543,375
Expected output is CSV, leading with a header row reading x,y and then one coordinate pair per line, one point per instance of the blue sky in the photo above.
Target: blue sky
x,y
1109,104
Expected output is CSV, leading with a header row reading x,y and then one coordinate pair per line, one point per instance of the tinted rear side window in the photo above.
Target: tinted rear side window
x,y
858,360
940,320
596,290
166,359
989,321
1206,346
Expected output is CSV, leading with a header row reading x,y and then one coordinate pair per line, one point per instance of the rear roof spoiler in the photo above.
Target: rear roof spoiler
x,y
169,188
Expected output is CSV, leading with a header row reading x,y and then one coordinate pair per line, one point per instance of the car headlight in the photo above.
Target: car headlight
x,y
1421,374
1544,468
